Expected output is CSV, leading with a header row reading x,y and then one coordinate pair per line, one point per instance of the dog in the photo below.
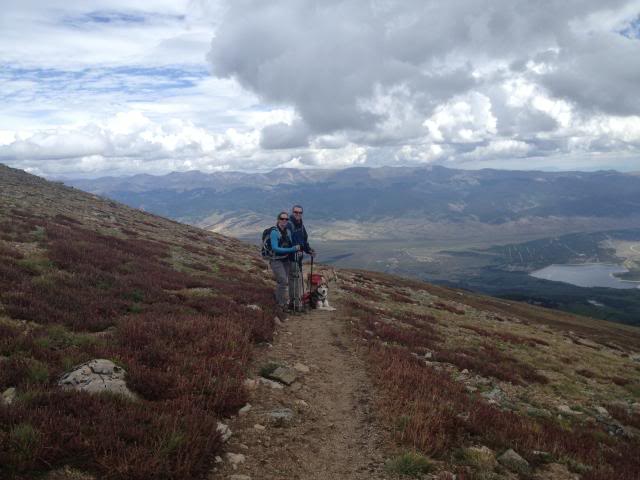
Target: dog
x,y
319,297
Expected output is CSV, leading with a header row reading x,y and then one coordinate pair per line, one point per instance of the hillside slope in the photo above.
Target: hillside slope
x,y
400,367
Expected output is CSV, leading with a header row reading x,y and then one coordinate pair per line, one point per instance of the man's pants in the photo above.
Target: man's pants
x,y
281,270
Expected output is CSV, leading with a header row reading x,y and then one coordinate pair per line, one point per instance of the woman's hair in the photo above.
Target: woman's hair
x,y
283,211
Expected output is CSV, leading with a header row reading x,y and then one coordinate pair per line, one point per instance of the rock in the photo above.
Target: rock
x,y
301,403
224,431
602,411
635,407
239,477
496,394
585,342
8,396
301,367
286,375
565,409
244,410
555,471
281,416
270,383
481,457
635,357
254,307
250,383
96,376
235,459
259,427
514,462
278,322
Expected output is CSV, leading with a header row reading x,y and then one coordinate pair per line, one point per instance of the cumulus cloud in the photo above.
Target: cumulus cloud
x,y
104,87
499,78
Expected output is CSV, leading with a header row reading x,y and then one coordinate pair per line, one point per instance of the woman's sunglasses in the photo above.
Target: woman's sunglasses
x,y
283,218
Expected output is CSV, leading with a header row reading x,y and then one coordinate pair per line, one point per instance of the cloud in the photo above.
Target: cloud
x,y
104,87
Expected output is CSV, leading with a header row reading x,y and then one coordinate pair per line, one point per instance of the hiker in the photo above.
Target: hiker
x,y
282,248
299,237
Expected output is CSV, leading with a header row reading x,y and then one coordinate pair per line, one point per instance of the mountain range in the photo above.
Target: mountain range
x,y
389,202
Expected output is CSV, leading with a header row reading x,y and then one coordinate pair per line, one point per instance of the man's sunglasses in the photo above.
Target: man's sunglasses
x,y
298,211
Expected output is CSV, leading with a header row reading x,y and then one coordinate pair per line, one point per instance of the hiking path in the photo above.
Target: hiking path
x,y
322,425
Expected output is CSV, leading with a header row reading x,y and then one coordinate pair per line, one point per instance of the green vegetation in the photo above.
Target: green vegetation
x,y
410,464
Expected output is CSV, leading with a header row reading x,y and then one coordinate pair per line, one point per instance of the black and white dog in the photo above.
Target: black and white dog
x,y
319,298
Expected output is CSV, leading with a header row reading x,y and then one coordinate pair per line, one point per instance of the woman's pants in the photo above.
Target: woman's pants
x,y
281,270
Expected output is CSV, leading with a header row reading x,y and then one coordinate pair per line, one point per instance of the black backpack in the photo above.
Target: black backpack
x,y
267,251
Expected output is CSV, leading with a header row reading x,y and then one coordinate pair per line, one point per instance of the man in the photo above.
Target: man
x,y
299,237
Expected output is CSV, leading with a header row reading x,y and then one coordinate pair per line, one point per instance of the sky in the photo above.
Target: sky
x,y
99,88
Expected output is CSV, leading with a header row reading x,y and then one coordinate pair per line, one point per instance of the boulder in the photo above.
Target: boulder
x,y
514,462
281,416
286,375
224,431
8,396
95,376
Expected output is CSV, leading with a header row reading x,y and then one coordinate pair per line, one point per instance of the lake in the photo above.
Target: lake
x,y
587,275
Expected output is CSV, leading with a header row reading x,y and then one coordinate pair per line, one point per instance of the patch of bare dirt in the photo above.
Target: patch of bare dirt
x,y
333,433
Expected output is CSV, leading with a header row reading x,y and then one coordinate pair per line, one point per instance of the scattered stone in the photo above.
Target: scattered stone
x,y
635,357
218,459
68,473
259,427
270,383
235,459
566,409
224,431
514,462
555,471
602,411
254,307
278,322
301,367
470,388
251,383
295,387
482,457
99,375
428,355
636,407
496,394
244,410
301,403
281,416
585,342
8,396
239,477
286,375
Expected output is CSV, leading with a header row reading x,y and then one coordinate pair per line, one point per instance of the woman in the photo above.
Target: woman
x,y
282,247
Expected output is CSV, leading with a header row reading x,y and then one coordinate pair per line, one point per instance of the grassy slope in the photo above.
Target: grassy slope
x,y
82,278
538,360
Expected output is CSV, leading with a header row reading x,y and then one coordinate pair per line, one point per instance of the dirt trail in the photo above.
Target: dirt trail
x,y
333,434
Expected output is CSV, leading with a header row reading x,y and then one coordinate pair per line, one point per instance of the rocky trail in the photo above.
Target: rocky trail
x,y
321,426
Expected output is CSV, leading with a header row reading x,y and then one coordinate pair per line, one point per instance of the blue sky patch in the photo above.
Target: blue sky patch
x,y
632,30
